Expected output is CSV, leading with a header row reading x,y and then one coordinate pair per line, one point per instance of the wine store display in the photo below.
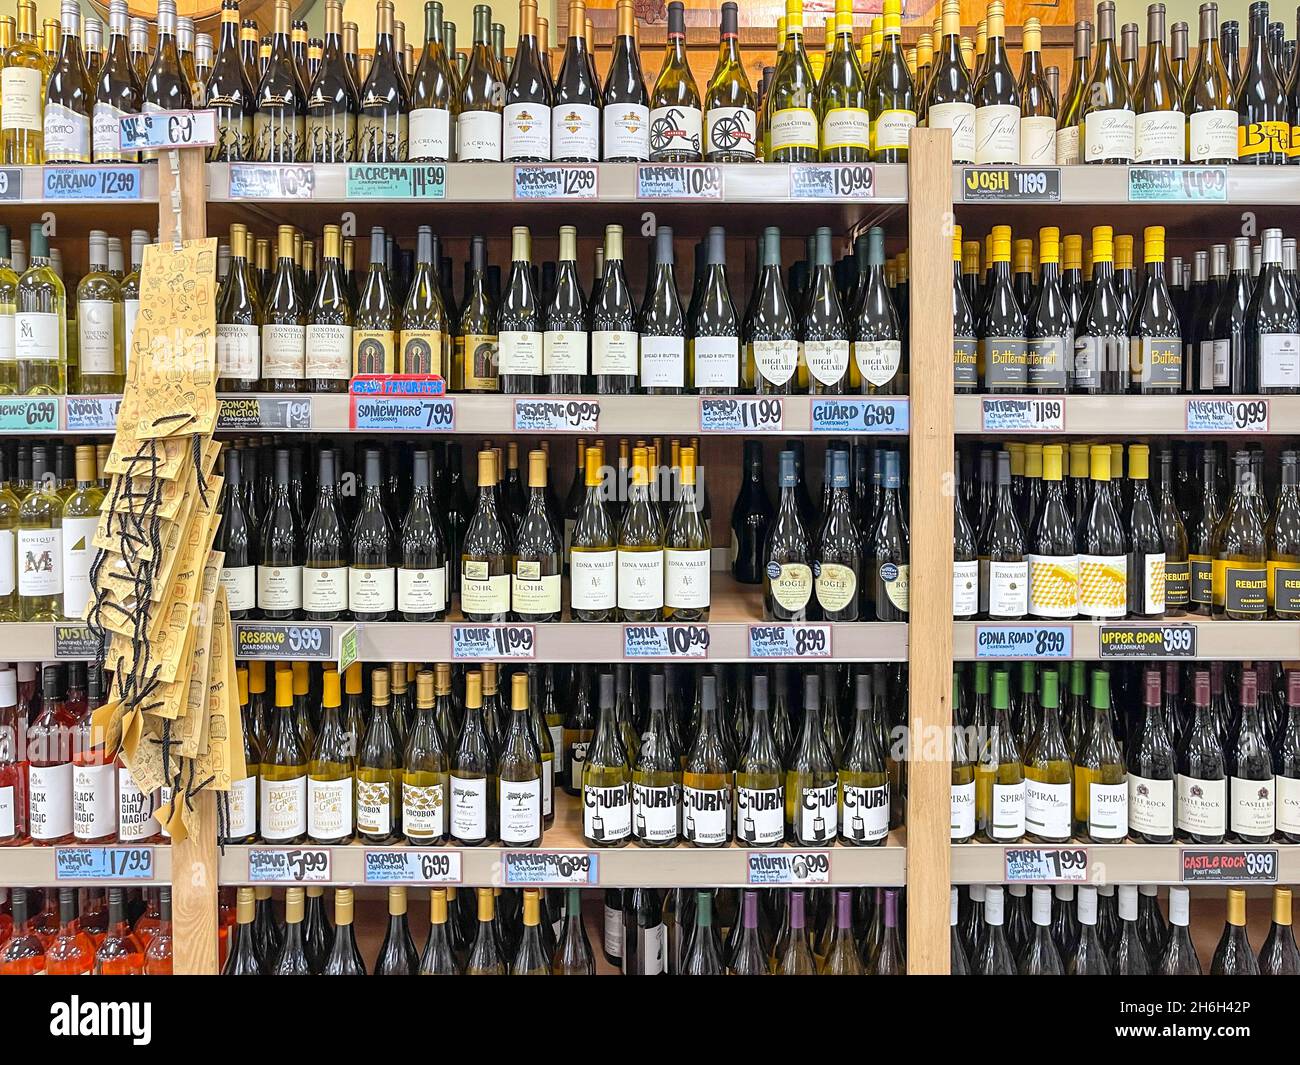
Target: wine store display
x,y
82,932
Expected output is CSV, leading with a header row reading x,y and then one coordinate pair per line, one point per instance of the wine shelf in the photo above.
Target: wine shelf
x,y
30,866
41,641
1126,415
1118,863
1245,641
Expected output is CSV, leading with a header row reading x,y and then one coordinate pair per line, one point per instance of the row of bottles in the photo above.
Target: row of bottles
x,y
95,931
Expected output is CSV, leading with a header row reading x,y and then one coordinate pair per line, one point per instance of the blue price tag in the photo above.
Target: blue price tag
x,y
556,416
551,867
1227,416
168,129
29,415
665,641
860,415
397,181
678,181
1046,865
789,641
1024,641
493,641
742,415
407,865
1187,184
777,867
417,414
832,181
556,182
91,414
103,863
271,181
92,183
288,865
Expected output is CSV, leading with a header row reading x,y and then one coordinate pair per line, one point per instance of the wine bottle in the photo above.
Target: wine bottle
x,y
891,96
279,122
889,549
538,557
838,560
626,110
1106,118
1272,325
730,105
997,97
283,773
375,321
284,323
993,954
564,341
330,772
1100,781
479,97
1161,132
1279,956
1178,956
1067,126
662,324
1003,343
1146,547
707,777
1049,322
772,347
949,99
472,795
656,780
1251,793
640,550
100,325
687,551
26,72
1202,785
520,344
526,116
1234,956
476,341
384,100
676,115
333,98
1038,103
433,94
1240,551
68,95
485,553
791,104
1155,344
325,550
1004,570
614,338
825,332
1048,772
592,557
788,553
239,320
279,567
1263,132
1150,757
760,793
40,323
519,774
235,537
606,778
845,120
575,117
1089,956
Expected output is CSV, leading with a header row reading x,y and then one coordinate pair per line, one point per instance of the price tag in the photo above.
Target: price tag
x,y
755,415
1000,183
1231,864
1050,865
271,181
796,868
860,415
11,183
261,640
288,866
403,865
103,863
493,641
1147,641
29,415
556,416
91,414
678,181
1227,416
556,182
347,648
397,181
92,183
73,640
832,181
531,868
665,641
1022,415
264,412
388,414
1178,184
1024,641
789,641
167,129
397,384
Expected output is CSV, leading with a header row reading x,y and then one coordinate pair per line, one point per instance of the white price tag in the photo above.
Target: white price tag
x,y
1007,414
790,641
529,868
493,641
288,865
749,415
665,641
409,865
556,416
1227,415
789,868
1065,864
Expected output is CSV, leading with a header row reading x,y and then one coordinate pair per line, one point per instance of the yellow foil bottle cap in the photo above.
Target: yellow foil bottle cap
x,y
1051,462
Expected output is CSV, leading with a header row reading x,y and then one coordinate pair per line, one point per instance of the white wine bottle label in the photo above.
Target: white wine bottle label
x,y
548,786
468,811
655,813
329,808
640,580
1006,363
324,590
717,361
606,813
94,801
1103,586
429,132
136,811
965,588
877,360
1008,814
997,134
846,127
40,562
372,351
243,810
1053,585
706,815
329,352
23,96
49,806
892,129
1150,805
240,583
422,351
374,807
895,582
593,580
526,131
284,351
962,818
1045,357
519,351
614,352
627,131
836,585
1153,583
1107,811
279,587
67,134
686,578
36,336
95,335
1216,366
675,129
791,584
575,132
731,130
1047,809
760,815
422,591
1156,362
78,555
8,351
1038,141
520,803
8,812
794,127
827,360
1279,359
1202,580
612,939
775,360
1160,136
564,351
104,123
1212,135
663,361
818,814
652,949
284,808
1109,134
1067,146
1252,807
424,811
1288,804
865,817
478,136
1202,805
239,352
960,118
481,593
531,592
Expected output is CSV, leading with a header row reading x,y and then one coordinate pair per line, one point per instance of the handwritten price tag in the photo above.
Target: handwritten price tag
x,y
1227,416
263,412
832,181
257,640
493,641
281,866
1007,415
167,129
678,181
91,414
795,868
400,181
998,184
103,863
859,415
528,868
11,183
665,641
395,865
415,415
757,415
1046,865
1024,641
1147,641
789,641
1230,865
556,182
556,416
273,181
1189,184
29,415
75,641
92,183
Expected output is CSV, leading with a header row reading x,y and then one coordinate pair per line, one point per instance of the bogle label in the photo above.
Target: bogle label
x,y
796,867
